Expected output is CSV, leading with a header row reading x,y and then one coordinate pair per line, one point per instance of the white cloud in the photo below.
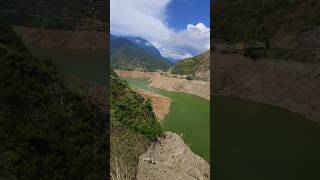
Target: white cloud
x,y
147,19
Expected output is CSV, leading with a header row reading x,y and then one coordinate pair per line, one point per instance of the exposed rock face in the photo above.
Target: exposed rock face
x,y
160,104
199,88
291,85
171,159
51,38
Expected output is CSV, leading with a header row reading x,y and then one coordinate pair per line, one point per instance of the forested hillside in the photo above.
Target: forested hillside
x,y
125,54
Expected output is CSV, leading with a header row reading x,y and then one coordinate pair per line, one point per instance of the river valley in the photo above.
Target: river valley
x,y
189,115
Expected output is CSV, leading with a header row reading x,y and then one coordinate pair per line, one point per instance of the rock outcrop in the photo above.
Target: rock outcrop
x,y
170,158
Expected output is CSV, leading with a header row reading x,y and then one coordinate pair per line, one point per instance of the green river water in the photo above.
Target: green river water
x,y
255,141
189,115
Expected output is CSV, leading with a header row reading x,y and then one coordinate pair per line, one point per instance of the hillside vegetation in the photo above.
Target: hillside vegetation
x,y
51,126
198,66
133,126
126,55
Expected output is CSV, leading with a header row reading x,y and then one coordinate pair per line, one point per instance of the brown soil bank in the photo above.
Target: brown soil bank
x,y
50,38
171,158
199,88
291,85
160,104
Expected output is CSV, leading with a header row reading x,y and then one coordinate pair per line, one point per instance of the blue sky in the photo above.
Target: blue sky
x,y
183,12
178,28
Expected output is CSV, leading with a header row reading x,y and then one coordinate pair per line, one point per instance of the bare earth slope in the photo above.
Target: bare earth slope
x,y
291,85
171,158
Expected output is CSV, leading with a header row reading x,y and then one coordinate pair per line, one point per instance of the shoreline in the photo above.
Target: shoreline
x,y
194,87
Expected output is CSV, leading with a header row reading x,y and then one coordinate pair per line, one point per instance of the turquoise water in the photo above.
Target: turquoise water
x,y
189,115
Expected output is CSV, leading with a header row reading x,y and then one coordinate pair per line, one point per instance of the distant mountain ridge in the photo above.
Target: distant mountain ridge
x,y
135,53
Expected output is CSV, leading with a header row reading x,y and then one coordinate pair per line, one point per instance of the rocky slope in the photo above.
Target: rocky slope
x,y
291,85
198,66
171,158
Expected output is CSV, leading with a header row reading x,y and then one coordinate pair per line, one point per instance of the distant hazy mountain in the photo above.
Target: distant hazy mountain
x,y
198,66
132,53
